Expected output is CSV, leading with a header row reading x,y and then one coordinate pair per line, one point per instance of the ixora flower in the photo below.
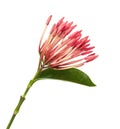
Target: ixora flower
x,y
63,49
60,53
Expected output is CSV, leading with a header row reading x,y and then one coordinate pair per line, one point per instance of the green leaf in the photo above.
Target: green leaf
x,y
72,75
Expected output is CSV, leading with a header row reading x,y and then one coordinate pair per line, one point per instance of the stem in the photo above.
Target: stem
x,y
22,98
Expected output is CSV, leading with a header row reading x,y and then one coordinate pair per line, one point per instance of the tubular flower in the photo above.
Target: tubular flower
x,y
63,48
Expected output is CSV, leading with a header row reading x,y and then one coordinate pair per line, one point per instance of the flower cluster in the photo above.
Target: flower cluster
x,y
63,48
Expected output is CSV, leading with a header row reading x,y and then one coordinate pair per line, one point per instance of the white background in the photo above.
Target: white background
x,y
55,104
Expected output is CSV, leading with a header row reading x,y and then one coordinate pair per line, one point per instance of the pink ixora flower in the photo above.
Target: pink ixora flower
x,y
63,48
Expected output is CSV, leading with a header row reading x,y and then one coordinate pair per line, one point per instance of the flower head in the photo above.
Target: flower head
x,y
63,48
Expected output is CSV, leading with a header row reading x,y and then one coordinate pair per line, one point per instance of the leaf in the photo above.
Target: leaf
x,y
72,75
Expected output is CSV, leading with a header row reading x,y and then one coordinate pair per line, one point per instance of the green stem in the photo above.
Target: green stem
x,y
22,98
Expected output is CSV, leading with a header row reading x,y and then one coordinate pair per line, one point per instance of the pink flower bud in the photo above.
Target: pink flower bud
x,y
48,20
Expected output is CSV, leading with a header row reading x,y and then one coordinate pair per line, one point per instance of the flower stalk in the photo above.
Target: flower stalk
x,y
22,99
